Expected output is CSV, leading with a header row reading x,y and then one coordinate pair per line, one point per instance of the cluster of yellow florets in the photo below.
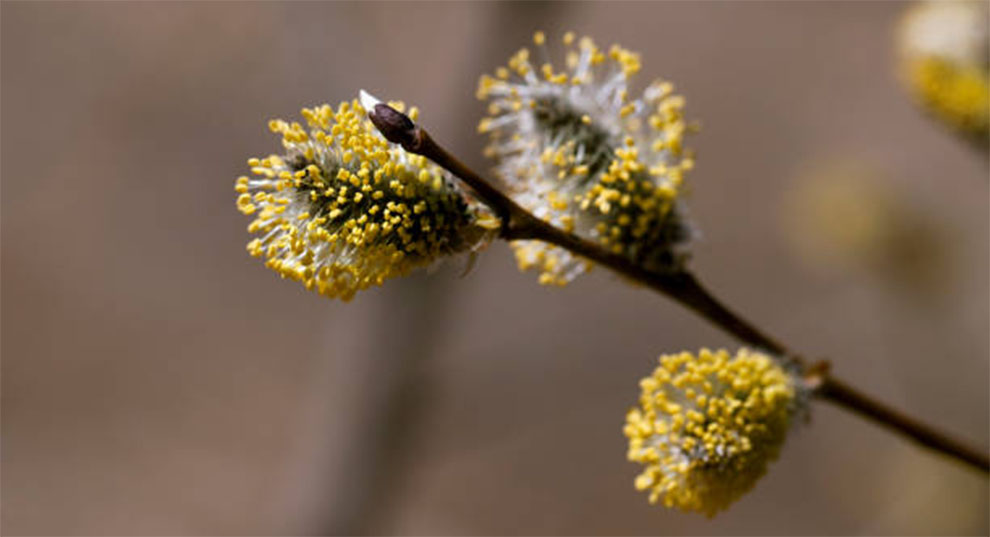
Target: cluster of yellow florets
x,y
958,95
577,151
946,62
342,209
708,425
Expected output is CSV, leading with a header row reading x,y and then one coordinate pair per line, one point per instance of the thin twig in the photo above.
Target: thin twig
x,y
840,393
518,223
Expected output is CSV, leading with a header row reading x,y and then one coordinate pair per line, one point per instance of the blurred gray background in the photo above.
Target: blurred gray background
x,y
157,380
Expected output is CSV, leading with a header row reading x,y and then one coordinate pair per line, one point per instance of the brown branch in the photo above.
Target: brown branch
x,y
683,287
841,394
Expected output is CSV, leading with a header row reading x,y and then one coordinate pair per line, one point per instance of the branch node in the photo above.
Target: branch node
x,y
816,373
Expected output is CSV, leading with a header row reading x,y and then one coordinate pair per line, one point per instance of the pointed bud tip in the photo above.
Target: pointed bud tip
x,y
368,101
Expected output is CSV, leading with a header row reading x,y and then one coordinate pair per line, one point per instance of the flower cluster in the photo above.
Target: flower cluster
x,y
342,209
577,150
946,62
707,425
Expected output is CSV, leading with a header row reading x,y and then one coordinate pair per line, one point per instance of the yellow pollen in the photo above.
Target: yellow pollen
x,y
703,455
343,210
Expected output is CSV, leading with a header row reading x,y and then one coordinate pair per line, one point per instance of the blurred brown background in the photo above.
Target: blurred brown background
x,y
157,380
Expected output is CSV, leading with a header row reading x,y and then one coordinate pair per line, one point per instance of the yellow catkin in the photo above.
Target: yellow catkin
x,y
944,61
707,426
957,95
342,210
574,149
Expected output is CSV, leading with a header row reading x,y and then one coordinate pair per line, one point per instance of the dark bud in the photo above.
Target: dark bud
x,y
395,126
